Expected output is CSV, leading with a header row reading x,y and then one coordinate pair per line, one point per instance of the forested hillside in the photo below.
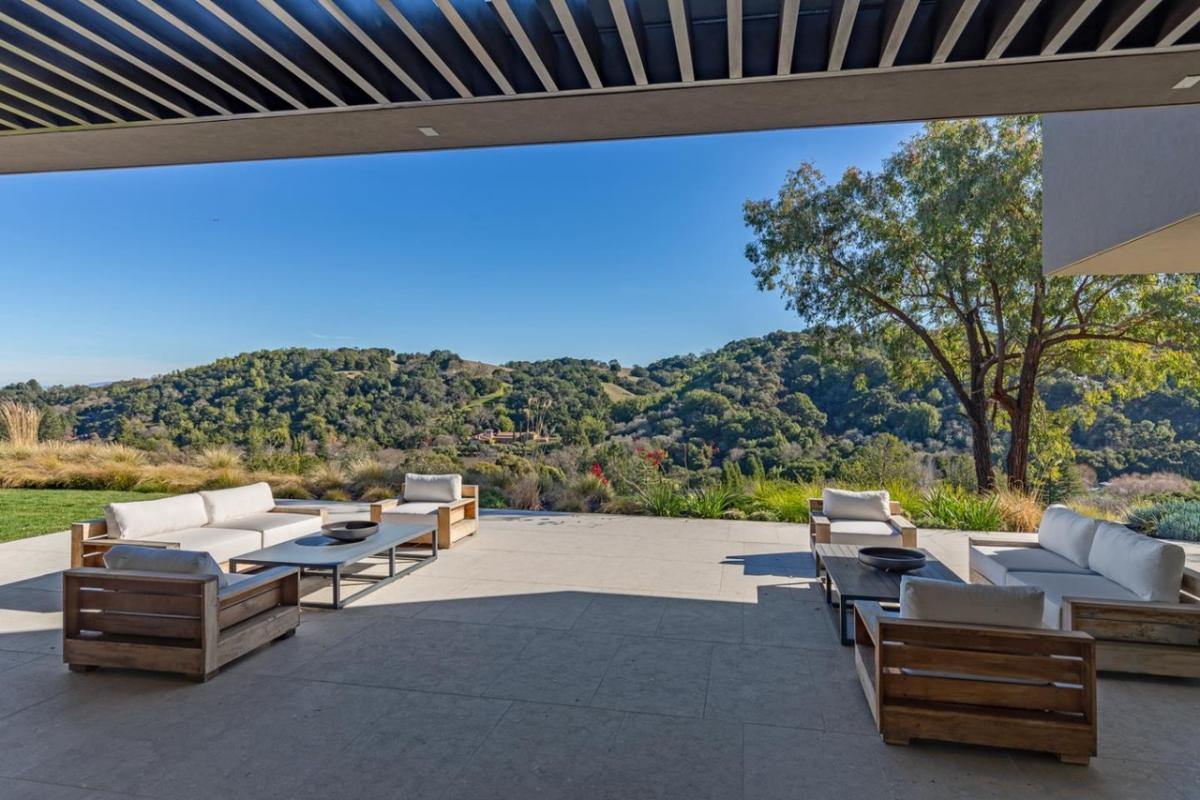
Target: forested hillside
x,y
774,397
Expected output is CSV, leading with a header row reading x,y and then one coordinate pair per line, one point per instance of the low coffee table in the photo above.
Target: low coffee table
x,y
854,580
324,555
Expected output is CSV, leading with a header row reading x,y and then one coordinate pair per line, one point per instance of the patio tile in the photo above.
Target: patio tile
x,y
413,749
557,667
557,608
615,613
790,763
27,682
670,758
791,624
657,676
320,632
549,752
422,654
1103,779
706,620
1127,731
768,685
11,789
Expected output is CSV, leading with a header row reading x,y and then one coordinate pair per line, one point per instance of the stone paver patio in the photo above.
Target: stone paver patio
x,y
563,656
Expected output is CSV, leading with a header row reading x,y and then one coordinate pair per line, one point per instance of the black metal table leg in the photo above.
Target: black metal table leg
x,y
392,563
337,587
843,609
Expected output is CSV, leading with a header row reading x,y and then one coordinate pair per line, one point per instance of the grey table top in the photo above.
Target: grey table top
x,y
855,580
317,550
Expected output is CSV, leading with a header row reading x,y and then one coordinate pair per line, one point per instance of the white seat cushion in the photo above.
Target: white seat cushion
x,y
1058,585
840,504
153,559
1067,533
221,543
227,504
970,604
432,488
994,562
859,532
1151,569
276,528
414,508
143,518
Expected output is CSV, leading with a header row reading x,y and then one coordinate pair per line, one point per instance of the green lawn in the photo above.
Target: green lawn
x,y
33,512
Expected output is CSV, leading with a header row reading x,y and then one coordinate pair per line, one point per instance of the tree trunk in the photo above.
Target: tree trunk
x,y
1021,417
981,445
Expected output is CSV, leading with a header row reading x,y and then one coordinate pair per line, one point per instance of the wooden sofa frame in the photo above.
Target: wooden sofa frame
x,y
171,622
90,539
1137,636
455,520
1026,689
819,524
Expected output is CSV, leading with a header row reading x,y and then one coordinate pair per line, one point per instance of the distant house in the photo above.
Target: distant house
x,y
513,437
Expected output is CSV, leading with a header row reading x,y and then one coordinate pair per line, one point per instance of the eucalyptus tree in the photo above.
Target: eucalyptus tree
x,y
937,255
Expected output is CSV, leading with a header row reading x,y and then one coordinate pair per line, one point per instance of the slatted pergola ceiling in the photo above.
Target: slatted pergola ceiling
x,y
100,69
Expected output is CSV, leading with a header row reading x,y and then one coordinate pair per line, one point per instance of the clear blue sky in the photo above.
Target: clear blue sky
x,y
628,250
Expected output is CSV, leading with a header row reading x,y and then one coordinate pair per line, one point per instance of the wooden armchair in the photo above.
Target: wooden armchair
x,y
820,527
1023,688
173,622
455,519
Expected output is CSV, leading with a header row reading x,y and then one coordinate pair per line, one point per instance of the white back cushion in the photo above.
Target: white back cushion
x,y
147,517
244,501
1151,569
970,604
432,488
157,559
1067,534
840,504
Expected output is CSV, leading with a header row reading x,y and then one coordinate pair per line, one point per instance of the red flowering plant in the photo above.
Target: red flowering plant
x,y
598,473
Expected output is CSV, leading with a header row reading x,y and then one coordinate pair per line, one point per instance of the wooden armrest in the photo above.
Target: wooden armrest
x,y
136,575
255,583
1135,606
459,503
956,632
900,522
818,519
316,511
816,505
870,613
90,528
380,506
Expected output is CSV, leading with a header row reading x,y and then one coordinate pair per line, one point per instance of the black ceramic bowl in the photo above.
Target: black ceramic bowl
x,y
353,531
892,559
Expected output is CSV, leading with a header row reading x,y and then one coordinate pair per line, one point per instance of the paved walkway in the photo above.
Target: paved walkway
x,y
547,657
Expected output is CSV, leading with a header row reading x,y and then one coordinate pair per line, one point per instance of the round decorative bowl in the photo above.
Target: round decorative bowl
x,y
354,530
892,559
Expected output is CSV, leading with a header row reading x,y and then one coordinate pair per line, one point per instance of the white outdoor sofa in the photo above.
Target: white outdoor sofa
x,y
867,519
456,506
223,523
1131,592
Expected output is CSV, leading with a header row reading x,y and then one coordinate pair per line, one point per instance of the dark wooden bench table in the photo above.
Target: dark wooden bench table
x,y
840,570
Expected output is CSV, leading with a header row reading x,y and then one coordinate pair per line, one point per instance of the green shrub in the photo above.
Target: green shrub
x,y
491,497
949,507
375,493
663,499
1150,519
710,502
785,500
290,491
734,514
336,495
762,515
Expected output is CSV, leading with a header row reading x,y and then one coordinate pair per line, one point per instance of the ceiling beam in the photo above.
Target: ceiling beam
x,y
76,79
173,54
898,16
1184,16
25,114
313,41
789,16
841,23
50,88
10,125
222,53
262,44
525,44
733,36
1123,18
426,49
53,42
475,46
381,55
954,18
571,29
33,101
1065,22
681,29
629,39
1009,18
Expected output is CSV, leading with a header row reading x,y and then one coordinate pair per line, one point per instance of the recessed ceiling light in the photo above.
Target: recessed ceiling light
x,y
1187,82
428,131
